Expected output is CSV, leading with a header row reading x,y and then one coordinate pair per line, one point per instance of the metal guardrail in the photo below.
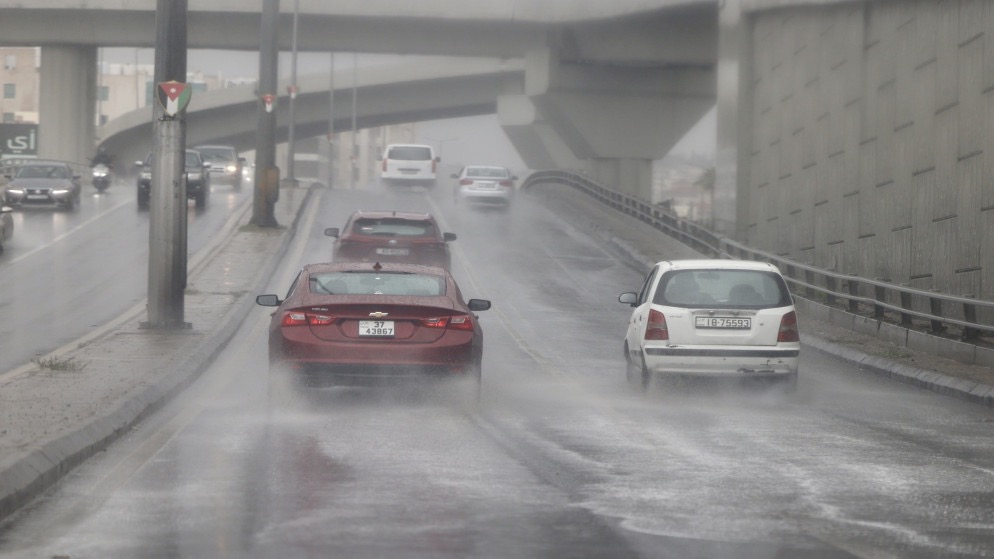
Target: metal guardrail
x,y
862,296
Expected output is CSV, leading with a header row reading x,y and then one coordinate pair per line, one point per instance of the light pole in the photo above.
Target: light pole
x,y
291,178
355,87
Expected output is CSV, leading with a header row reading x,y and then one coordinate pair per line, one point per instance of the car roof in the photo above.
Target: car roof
x,y
379,214
319,267
486,167
719,264
410,145
38,162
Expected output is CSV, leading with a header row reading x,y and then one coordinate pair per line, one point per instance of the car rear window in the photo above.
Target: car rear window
x,y
409,153
377,283
394,227
747,289
488,172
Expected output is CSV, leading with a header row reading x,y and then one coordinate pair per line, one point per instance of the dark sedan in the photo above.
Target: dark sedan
x,y
46,184
391,236
198,185
359,324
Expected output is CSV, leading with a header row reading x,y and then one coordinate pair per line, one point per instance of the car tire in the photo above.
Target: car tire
x,y
201,198
646,377
70,204
142,201
283,390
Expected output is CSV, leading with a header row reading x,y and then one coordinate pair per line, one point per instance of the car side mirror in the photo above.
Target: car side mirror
x,y
206,165
267,300
331,232
478,304
139,163
438,160
449,236
629,298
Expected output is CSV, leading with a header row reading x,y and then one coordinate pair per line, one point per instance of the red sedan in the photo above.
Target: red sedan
x,y
391,236
357,324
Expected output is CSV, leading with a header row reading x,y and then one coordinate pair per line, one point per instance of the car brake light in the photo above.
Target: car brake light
x,y
297,318
434,165
466,182
655,328
788,328
384,164
506,183
462,322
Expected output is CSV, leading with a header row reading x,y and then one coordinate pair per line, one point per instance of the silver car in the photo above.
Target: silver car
x,y
485,184
720,319
40,183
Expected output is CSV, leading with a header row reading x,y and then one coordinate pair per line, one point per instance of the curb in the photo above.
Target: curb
x,y
36,472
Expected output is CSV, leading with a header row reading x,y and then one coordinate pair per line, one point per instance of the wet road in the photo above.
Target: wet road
x,y
560,459
63,273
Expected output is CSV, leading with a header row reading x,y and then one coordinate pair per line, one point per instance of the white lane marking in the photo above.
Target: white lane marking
x,y
72,231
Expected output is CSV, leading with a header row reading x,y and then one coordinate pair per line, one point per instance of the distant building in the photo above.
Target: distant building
x,y
19,79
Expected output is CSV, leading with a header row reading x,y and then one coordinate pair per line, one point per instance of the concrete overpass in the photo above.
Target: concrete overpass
x,y
608,86
391,94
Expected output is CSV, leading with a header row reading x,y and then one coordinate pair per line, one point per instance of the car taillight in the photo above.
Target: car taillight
x,y
655,327
384,164
434,165
788,328
506,183
297,318
461,322
465,182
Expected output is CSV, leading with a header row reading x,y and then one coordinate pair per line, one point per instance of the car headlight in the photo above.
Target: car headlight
x,y
60,191
231,168
194,175
17,191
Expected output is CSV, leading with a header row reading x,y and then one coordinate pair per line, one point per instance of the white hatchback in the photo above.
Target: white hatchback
x,y
713,318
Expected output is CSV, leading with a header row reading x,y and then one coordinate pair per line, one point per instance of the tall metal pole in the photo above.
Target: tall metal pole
x,y
167,205
331,121
291,178
355,147
267,175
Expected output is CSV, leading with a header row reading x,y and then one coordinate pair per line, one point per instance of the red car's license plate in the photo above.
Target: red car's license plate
x,y
377,328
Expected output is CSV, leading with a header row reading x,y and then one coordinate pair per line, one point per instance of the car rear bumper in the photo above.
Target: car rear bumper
x,y
722,362
486,196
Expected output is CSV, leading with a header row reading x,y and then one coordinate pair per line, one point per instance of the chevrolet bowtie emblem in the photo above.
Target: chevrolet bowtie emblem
x,y
378,314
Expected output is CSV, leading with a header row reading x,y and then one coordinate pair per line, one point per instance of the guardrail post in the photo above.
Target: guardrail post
x,y
970,315
809,279
935,307
879,294
905,304
830,283
853,289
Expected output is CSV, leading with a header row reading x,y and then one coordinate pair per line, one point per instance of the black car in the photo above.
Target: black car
x,y
198,185
40,183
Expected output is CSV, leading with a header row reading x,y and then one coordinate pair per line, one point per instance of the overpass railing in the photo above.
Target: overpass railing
x,y
880,299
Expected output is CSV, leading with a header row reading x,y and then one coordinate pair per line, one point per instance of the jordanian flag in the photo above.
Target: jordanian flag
x,y
174,97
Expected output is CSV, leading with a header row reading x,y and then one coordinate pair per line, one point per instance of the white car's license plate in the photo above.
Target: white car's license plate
x,y
486,186
381,328
724,322
37,197
393,251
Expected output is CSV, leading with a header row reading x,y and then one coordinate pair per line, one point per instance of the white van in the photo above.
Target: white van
x,y
411,164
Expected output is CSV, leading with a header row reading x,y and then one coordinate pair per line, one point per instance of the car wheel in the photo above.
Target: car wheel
x,y
473,389
283,389
201,198
70,203
142,200
646,376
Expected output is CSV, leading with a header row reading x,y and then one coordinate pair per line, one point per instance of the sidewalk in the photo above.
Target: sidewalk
x,y
642,246
52,420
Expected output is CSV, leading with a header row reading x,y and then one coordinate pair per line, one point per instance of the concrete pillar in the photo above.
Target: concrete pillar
x,y
730,204
67,103
630,176
538,144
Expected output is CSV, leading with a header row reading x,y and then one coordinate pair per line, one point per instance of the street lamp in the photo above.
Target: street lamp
x,y
291,178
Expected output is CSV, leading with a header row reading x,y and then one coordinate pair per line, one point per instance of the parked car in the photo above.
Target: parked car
x,y
391,236
42,183
486,184
6,225
225,164
723,319
360,324
409,164
198,183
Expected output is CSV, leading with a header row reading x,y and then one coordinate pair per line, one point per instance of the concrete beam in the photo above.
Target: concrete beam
x,y
67,103
538,144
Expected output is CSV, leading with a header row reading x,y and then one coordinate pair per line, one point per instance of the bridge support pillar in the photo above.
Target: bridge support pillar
x,y
631,115
630,176
538,143
67,102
